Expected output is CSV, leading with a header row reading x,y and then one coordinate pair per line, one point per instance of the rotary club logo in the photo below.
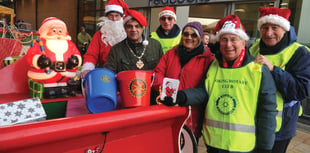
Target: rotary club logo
x,y
226,104
137,88
105,78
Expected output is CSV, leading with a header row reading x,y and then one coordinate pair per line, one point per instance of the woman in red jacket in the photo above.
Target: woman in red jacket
x,y
188,63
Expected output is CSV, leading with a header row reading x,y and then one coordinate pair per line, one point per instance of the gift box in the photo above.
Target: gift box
x,y
9,60
35,89
27,110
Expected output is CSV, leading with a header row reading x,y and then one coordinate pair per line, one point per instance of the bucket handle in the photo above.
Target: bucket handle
x,y
153,78
82,87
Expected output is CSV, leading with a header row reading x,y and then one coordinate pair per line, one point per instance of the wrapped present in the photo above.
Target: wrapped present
x,y
22,111
9,60
35,88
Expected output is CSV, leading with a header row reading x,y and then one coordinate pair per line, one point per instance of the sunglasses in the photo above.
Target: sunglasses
x,y
164,18
193,35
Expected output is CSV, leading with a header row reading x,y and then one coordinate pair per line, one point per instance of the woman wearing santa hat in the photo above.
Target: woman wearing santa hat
x,y
135,52
111,32
168,33
239,95
187,62
289,64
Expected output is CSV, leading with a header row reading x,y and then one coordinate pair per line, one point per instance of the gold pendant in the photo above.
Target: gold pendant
x,y
139,64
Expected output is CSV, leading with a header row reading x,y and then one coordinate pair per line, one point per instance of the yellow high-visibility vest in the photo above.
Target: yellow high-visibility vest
x,y
167,43
280,60
231,108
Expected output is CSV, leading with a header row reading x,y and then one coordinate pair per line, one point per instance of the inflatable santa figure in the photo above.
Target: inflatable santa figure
x,y
54,59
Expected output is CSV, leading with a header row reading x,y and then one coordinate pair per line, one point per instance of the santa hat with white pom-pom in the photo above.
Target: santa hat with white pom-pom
x,y
116,6
230,24
273,15
140,18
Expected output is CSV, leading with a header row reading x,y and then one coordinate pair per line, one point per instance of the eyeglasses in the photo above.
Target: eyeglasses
x,y
164,18
232,40
193,35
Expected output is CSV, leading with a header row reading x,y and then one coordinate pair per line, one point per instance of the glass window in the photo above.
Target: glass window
x,y
207,15
249,14
89,12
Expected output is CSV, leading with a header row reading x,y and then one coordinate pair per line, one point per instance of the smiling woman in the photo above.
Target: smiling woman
x,y
187,62
192,35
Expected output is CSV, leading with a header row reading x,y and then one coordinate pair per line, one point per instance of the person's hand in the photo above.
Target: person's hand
x,y
73,61
84,73
168,101
264,60
181,99
44,62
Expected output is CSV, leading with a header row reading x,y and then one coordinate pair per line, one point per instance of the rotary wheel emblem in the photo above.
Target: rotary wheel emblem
x,y
105,78
226,104
137,88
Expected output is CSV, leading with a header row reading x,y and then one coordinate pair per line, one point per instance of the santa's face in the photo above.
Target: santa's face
x,y
112,32
113,16
56,40
57,32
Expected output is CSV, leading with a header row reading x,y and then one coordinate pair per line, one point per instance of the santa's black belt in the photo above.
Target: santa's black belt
x,y
59,66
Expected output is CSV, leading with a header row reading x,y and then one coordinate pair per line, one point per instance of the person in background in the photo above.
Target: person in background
x,y
135,52
240,96
83,40
289,64
111,32
206,38
168,33
187,62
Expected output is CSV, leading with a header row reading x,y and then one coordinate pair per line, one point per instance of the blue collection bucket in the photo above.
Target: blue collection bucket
x,y
100,89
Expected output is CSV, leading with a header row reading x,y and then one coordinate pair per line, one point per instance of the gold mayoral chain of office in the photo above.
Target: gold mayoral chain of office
x,y
139,63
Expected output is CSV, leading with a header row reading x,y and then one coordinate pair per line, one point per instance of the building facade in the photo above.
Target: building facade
x,y
76,13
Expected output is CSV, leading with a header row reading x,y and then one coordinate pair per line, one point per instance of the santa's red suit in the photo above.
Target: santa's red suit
x,y
53,78
97,47
111,32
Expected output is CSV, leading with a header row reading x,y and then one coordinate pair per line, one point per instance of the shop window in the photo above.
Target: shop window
x,y
89,13
249,14
207,15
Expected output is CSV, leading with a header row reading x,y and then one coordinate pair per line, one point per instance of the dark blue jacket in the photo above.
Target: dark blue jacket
x,y
293,83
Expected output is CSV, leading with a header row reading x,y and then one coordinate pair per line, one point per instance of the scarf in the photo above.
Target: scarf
x,y
235,63
172,34
137,48
265,50
186,56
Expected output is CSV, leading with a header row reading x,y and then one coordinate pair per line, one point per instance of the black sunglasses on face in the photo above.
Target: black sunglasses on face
x,y
164,18
193,35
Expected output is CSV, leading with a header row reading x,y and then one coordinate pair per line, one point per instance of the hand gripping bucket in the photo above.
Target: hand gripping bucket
x,y
100,88
135,87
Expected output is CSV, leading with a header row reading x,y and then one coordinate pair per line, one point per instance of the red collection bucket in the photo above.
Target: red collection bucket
x,y
135,87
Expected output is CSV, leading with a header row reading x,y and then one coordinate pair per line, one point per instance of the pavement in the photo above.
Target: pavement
x,y
299,144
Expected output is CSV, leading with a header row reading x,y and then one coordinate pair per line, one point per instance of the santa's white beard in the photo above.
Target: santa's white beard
x,y
59,47
112,32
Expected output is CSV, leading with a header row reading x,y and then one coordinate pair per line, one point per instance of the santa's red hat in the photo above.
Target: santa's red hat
x,y
116,6
139,17
136,15
274,15
167,10
48,22
230,24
